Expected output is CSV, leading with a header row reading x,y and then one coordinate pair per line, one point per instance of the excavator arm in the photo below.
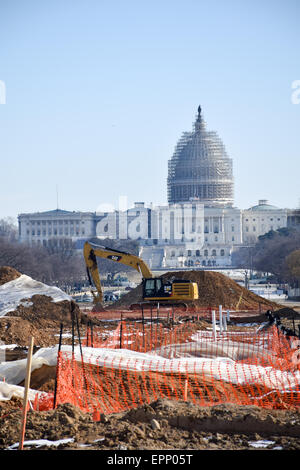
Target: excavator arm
x,y
91,252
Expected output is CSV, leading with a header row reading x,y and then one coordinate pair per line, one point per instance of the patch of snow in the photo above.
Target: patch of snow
x,y
41,442
262,443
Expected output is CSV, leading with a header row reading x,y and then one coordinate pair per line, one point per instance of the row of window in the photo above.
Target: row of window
x,y
198,253
55,232
200,263
54,222
262,228
271,218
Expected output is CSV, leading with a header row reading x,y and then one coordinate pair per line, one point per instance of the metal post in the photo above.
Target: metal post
x,y
57,364
143,327
121,327
214,324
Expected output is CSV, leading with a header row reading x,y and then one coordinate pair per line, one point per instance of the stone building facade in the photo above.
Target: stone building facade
x,y
199,226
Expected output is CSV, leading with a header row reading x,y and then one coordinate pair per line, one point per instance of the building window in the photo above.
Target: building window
x,y
254,229
197,252
214,253
232,228
189,253
205,252
222,252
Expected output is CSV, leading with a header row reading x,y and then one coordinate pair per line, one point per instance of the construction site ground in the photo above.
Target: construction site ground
x,y
160,425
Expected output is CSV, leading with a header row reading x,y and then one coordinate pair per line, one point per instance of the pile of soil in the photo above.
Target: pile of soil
x,y
160,425
214,289
38,316
8,274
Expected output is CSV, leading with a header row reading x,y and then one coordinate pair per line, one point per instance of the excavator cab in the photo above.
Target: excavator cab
x,y
158,289
155,287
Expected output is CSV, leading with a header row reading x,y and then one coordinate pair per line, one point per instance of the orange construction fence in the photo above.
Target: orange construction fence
x,y
153,361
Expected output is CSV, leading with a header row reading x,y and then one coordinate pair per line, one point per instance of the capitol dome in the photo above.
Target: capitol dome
x,y
263,205
200,168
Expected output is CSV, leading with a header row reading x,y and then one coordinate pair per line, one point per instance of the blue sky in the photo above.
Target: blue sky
x,y
99,92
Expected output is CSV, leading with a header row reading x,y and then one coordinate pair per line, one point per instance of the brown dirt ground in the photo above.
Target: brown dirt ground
x,y
161,425
8,274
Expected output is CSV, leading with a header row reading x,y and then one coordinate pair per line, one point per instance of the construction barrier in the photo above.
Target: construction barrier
x,y
140,363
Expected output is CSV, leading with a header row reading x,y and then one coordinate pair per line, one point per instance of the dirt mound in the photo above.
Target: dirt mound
x,y
214,289
287,312
8,274
41,307
161,424
17,330
39,317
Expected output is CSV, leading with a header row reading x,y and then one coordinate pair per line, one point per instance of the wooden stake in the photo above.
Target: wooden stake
x,y
185,389
26,389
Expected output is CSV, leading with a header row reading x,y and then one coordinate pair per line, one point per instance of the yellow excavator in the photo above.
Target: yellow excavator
x,y
155,289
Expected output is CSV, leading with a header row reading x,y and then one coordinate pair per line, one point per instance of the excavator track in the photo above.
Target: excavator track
x,y
182,306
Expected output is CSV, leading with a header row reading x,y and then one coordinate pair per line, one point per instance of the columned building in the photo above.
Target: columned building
x,y
55,227
198,227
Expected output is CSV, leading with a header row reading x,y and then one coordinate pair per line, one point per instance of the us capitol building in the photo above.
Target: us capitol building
x,y
199,227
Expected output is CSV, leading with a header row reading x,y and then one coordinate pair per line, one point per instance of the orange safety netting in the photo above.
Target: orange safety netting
x,y
185,364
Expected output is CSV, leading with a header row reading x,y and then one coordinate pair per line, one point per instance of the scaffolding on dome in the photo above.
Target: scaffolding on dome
x,y
200,168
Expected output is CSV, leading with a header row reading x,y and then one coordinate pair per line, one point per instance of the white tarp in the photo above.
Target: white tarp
x,y
24,287
14,372
219,368
7,391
